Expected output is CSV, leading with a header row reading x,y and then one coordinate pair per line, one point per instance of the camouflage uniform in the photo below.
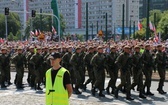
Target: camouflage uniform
x,y
112,70
161,65
19,60
98,66
87,60
76,62
137,71
3,67
30,66
37,61
124,62
147,59
66,63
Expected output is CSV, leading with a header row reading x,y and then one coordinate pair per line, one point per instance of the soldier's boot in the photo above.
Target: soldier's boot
x,y
128,96
101,94
160,90
141,95
149,92
116,93
108,89
123,89
3,85
113,90
132,86
77,90
38,87
93,91
84,87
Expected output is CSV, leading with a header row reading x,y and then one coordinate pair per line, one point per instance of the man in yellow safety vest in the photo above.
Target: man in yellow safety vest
x,y
58,82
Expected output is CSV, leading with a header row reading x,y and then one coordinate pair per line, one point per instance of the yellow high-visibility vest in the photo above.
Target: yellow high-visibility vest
x,y
56,94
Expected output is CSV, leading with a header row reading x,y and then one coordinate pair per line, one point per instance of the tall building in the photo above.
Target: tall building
x,y
154,4
74,13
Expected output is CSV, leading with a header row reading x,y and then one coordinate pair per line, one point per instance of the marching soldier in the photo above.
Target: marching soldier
x,y
76,62
123,61
98,66
37,61
147,59
30,66
89,67
3,67
66,63
161,65
112,69
19,60
137,71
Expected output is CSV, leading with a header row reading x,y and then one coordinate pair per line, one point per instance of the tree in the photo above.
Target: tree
x,y
13,22
46,24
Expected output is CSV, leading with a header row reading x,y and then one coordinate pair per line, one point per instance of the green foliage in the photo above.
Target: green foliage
x,y
13,22
46,24
80,37
161,24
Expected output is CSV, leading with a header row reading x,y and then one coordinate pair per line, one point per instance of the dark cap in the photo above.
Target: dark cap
x,y
54,55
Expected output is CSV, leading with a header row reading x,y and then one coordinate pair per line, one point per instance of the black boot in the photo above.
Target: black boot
x,y
160,90
107,90
84,87
129,96
149,92
116,93
101,94
93,91
38,87
77,90
141,95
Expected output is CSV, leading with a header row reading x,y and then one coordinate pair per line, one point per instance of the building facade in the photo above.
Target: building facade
x,y
74,13
154,4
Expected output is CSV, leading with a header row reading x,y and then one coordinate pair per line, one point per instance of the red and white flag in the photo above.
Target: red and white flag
x,y
139,25
150,25
36,33
39,31
53,30
1,40
31,32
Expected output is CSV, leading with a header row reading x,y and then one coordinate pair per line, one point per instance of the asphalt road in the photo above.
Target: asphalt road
x,y
28,96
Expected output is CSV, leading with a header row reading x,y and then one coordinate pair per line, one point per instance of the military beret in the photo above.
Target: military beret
x,y
127,47
38,48
3,48
147,45
90,47
159,45
77,48
100,47
19,48
31,47
50,48
136,47
112,47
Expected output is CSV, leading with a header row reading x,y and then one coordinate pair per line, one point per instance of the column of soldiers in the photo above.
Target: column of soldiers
x,y
127,61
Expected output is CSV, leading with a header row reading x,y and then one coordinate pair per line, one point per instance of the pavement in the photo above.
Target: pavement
x,y
28,96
